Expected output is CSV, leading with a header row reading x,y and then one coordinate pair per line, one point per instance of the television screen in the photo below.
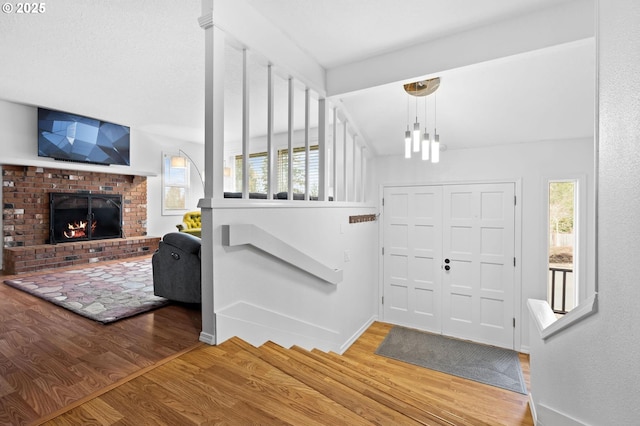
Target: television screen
x,y
71,137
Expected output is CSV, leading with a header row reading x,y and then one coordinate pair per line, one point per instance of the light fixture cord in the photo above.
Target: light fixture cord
x,y
425,112
435,112
408,113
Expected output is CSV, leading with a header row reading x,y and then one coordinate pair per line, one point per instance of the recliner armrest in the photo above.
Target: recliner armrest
x,y
184,241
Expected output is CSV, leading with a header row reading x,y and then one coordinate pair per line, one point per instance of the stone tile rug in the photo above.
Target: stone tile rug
x,y
105,292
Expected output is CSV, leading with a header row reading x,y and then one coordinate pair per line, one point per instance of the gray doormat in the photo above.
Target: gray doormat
x,y
482,363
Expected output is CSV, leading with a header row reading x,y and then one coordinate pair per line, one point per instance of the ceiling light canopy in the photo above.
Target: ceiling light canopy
x,y
423,87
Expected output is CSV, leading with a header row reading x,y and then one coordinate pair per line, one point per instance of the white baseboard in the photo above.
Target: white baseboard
x,y
256,325
207,338
357,334
544,415
532,408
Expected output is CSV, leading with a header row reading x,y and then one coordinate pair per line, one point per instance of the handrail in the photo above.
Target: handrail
x,y
241,234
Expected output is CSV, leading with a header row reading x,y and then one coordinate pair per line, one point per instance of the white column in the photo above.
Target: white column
x,y
307,101
354,191
344,162
245,124
290,140
363,164
213,160
271,154
334,172
322,150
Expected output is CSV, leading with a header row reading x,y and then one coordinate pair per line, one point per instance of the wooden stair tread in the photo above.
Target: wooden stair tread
x,y
270,389
362,405
436,413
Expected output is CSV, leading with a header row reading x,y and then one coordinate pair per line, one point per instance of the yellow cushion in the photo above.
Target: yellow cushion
x,y
191,220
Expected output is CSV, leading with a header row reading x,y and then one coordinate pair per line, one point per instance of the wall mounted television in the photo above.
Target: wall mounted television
x,y
72,137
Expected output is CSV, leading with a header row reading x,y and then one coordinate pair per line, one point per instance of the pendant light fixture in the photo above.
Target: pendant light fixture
x,y
407,143
413,141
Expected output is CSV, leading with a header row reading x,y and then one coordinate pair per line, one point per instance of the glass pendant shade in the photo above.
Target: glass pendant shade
x,y
416,137
407,143
435,148
425,146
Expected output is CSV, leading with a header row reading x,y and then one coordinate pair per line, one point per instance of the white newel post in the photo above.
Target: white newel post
x,y
213,160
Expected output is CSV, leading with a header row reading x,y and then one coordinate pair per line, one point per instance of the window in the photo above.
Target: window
x,y
258,179
175,184
299,158
258,171
562,253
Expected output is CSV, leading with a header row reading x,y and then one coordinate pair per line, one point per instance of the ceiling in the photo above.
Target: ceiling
x,y
141,63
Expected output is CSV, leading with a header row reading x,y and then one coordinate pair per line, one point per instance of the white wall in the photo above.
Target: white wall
x,y
532,164
276,297
589,372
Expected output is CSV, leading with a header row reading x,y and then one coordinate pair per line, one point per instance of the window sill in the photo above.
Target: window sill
x,y
546,321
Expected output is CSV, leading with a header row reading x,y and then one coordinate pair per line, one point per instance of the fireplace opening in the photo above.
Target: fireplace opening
x,y
83,217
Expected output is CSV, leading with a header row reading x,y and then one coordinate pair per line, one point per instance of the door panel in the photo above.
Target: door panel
x,y
478,240
413,241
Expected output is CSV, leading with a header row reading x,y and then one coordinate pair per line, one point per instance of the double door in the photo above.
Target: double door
x,y
448,260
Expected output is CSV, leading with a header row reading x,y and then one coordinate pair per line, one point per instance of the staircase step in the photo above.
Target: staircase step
x,y
266,389
394,372
393,394
362,405
382,390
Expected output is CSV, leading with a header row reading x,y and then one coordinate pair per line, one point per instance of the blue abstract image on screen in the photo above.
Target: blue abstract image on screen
x,y
72,137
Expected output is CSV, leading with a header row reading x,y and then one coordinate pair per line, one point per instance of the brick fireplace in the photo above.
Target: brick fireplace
x,y
25,196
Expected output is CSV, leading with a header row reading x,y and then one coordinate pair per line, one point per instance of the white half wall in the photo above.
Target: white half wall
x,y
532,164
258,297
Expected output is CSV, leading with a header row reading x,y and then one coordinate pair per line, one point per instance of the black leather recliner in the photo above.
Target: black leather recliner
x,y
176,268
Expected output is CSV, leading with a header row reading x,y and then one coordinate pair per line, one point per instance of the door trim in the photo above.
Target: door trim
x,y
519,305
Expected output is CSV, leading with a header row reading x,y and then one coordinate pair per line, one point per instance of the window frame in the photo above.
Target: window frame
x,y
167,182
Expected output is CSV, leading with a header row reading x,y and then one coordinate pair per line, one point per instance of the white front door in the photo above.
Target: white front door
x,y
412,256
448,260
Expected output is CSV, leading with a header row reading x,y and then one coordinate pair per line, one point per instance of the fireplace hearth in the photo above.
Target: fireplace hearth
x,y
84,217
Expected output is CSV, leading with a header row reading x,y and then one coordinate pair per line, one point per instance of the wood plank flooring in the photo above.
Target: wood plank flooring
x,y
236,383
50,357
57,368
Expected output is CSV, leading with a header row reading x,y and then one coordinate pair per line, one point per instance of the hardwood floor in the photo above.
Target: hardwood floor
x,y
236,383
50,357
57,368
